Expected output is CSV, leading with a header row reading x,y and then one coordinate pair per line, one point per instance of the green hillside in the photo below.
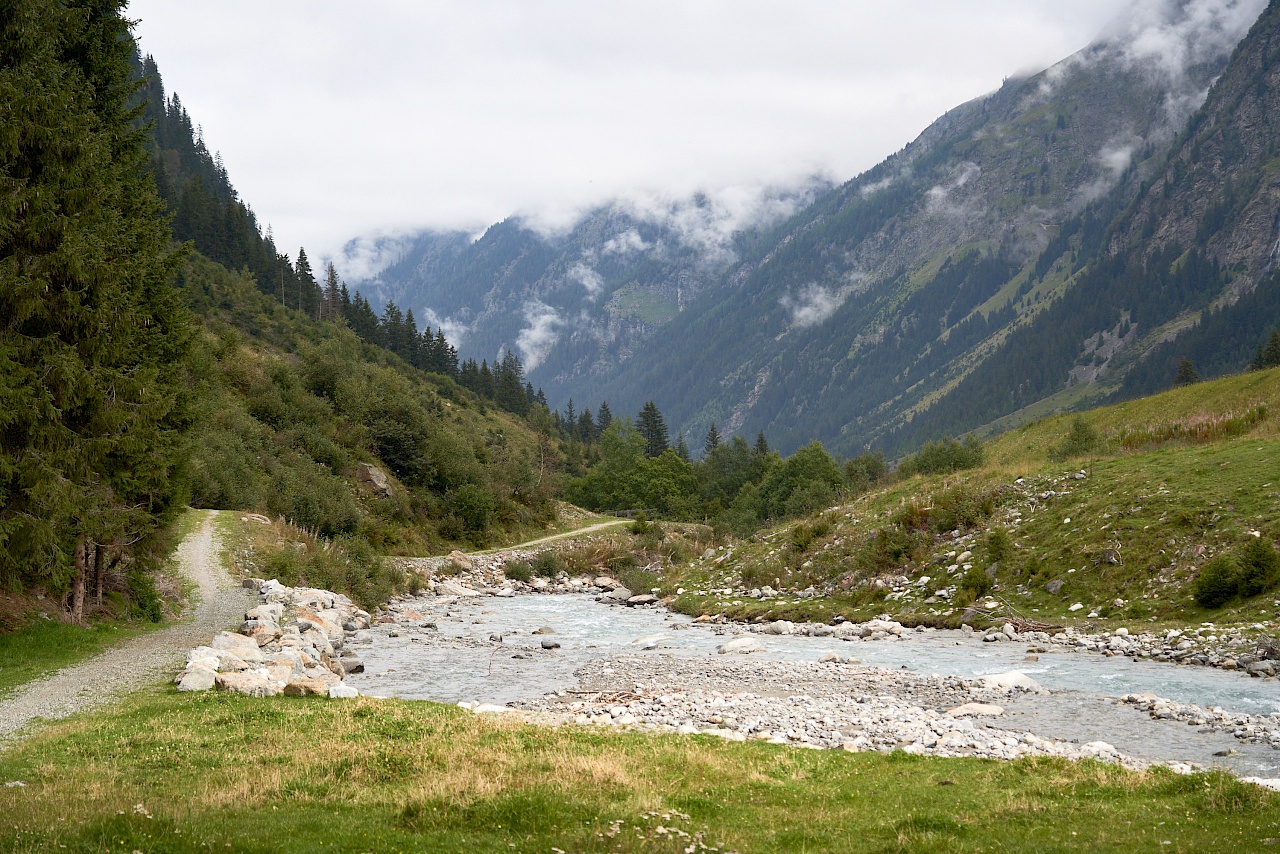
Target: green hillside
x,y
1123,505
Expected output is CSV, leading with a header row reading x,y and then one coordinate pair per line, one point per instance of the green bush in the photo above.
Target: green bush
x,y
943,457
518,570
999,545
1080,440
547,564
1218,581
1259,568
976,582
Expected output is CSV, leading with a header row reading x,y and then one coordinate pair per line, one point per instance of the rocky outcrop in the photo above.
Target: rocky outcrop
x,y
293,643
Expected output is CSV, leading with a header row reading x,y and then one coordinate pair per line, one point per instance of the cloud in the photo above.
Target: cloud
x,y
938,199
1169,36
454,330
625,243
364,257
537,339
588,278
1114,158
812,304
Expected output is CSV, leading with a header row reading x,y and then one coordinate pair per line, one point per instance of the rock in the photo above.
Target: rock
x,y
504,593
617,594
984,710
197,679
778,627
828,658
650,642
491,709
351,665
1097,747
1079,606
272,612
460,560
604,582
306,688
545,630
252,583
454,588
244,648
550,644
1013,680
1055,586
374,479
248,683
1121,632
741,646
342,692
1009,631
1272,783
642,599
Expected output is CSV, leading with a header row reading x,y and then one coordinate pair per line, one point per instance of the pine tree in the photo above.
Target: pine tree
x,y
331,307
93,339
653,429
308,290
586,430
762,446
682,450
1186,373
712,441
1271,355
604,417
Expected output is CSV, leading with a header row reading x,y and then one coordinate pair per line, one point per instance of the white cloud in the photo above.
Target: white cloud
x,y
393,116
812,304
454,330
625,243
938,199
536,339
588,278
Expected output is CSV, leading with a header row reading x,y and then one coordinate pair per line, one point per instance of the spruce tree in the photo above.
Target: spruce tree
x,y
604,417
762,446
1186,373
1271,355
653,429
93,339
712,441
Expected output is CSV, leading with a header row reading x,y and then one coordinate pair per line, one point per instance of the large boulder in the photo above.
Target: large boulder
x,y
617,594
244,648
249,683
454,588
374,479
197,679
740,646
1012,681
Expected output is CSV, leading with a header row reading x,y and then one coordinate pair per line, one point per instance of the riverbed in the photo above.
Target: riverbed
x,y
485,650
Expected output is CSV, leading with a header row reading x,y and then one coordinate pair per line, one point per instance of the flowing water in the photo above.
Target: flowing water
x,y
416,666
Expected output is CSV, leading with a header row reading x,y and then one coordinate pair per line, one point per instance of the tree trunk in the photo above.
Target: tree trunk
x,y
77,587
99,570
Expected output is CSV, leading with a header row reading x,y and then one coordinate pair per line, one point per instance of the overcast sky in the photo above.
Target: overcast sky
x,y
342,119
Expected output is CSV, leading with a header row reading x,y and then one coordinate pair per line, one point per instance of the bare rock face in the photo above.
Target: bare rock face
x,y
374,479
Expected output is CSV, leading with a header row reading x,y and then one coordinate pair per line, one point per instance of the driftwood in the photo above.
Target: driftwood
x,y
1009,614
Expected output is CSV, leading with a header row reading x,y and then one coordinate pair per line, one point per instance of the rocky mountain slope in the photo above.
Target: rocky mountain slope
x,y
1032,250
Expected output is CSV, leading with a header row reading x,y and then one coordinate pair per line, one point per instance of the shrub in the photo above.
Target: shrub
x,y
999,545
547,564
1259,567
976,582
1081,439
518,570
943,457
1218,581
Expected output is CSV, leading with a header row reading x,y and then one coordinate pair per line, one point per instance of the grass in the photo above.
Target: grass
x,y
45,645
1177,478
169,772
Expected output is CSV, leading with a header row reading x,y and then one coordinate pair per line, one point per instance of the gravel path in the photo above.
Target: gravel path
x,y
141,660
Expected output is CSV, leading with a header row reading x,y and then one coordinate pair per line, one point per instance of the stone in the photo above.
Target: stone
x,y
246,682
828,658
1055,586
244,648
649,642
342,692
454,588
306,688
545,630
252,583
1079,606
1013,680
642,599
272,612
351,665
197,679
617,594
740,646
604,582
983,710
374,479
550,644
461,560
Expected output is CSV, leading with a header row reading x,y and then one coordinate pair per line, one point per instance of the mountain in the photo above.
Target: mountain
x,y
1054,243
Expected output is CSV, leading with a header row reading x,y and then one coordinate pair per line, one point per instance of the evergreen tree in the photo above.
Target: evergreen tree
x,y
653,429
604,417
1271,355
1186,373
93,339
682,450
509,382
331,307
762,446
586,429
308,290
712,441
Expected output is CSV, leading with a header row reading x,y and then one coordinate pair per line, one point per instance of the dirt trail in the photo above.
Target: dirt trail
x,y
590,529
141,660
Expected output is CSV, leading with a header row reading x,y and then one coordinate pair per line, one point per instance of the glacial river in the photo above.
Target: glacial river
x,y
416,665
